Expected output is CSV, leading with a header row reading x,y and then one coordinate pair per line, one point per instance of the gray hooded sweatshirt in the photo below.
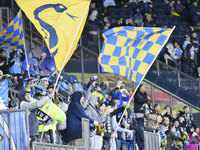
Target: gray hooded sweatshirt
x,y
92,112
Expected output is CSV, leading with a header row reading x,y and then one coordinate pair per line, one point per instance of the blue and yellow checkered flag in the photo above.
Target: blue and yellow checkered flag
x,y
130,51
12,36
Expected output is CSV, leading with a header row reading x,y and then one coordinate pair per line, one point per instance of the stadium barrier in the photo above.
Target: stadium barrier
x,y
85,138
151,141
14,128
14,93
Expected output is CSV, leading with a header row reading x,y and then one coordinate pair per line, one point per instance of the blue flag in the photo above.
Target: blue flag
x,y
18,138
130,51
4,90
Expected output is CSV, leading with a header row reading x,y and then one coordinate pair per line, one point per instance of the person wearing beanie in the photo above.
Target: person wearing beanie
x,y
55,112
26,102
186,60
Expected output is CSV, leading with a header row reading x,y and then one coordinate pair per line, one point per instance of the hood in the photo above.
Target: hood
x,y
27,54
76,96
188,47
93,15
12,54
22,93
93,100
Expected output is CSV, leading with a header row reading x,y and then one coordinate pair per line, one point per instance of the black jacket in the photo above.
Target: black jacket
x,y
6,66
186,60
139,99
170,138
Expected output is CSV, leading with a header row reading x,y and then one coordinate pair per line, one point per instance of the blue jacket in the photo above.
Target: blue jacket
x,y
119,97
74,115
21,83
30,62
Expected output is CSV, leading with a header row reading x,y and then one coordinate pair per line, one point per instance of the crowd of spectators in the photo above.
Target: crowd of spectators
x,y
101,104
143,14
68,104
176,130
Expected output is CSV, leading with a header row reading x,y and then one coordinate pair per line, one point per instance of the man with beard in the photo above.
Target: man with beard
x,y
150,125
165,125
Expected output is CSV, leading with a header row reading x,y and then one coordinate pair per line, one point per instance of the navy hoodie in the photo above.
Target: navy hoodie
x,y
74,115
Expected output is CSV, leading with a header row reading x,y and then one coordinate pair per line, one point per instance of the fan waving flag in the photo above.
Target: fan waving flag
x,y
12,36
48,63
129,51
60,22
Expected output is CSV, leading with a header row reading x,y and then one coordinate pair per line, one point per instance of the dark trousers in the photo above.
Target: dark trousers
x,y
140,133
185,69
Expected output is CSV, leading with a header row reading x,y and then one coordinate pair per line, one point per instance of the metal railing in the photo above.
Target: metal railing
x,y
169,93
14,126
4,17
85,139
14,94
159,67
151,141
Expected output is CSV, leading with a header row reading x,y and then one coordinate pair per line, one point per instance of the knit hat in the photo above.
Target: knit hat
x,y
43,54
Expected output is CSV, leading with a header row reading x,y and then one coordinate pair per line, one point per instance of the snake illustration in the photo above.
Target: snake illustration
x,y
53,39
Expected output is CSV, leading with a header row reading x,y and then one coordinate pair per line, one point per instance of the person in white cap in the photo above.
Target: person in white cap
x,y
43,72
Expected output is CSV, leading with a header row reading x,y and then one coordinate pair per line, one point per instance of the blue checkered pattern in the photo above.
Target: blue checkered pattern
x,y
4,90
130,51
12,36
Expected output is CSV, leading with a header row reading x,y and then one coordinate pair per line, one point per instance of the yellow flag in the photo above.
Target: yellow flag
x,y
60,22
12,36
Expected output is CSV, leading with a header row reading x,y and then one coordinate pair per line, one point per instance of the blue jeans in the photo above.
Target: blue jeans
x,y
140,133
122,146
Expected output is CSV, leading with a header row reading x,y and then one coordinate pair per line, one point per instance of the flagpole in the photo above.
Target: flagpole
x,y
141,80
24,44
64,63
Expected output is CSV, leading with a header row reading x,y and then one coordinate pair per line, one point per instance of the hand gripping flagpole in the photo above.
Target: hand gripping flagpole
x,y
64,63
139,84
24,44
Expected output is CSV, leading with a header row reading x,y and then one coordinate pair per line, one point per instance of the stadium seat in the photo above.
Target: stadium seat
x,y
173,81
123,9
78,87
193,83
196,89
117,17
183,84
